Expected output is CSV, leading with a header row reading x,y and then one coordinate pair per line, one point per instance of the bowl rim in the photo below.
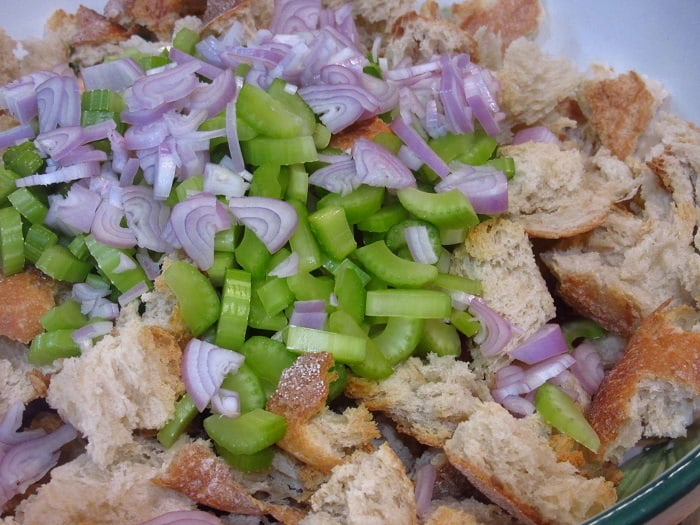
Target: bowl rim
x,y
655,497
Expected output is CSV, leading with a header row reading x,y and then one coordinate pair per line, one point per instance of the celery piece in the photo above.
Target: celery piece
x,y
322,136
7,184
197,299
151,61
389,141
266,182
581,329
303,241
374,365
350,293
58,262
269,116
473,148
23,159
399,338
185,413
252,255
259,319
256,462
29,205
227,240
335,267
422,304
337,386
298,183
332,231
275,295
359,204
248,386
235,309
267,357
184,189
292,101
185,40
110,261
102,100
348,349
63,316
452,236
248,433
457,283
78,247
11,241
449,209
383,219
465,323
306,286
380,261
46,347
217,271
439,338
36,240
504,164
281,151
560,411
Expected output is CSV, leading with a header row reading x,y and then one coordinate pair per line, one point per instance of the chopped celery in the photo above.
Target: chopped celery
x,y
333,233
450,209
248,433
266,182
185,40
581,329
303,241
197,300
415,303
399,338
46,347
292,101
185,413
23,159
267,357
350,293
29,205
281,151
7,184
63,316
383,219
11,241
306,286
232,324
439,338
469,148
392,269
252,255
396,237
269,116
457,283
37,239
58,262
111,260
465,323
217,271
298,183
358,204
255,462
348,349
274,294
248,386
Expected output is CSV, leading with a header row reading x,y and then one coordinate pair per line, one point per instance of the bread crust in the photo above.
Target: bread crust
x,y
26,297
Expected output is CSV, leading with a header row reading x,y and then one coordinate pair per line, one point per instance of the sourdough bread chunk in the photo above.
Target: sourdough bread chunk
x,y
499,254
82,491
511,462
558,191
315,434
128,380
534,83
426,399
26,297
371,488
654,390
14,375
468,511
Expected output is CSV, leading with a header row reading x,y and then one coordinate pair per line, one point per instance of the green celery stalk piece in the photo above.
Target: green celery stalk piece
x,y
333,232
251,394
449,209
232,324
399,338
346,349
394,270
248,433
185,412
406,302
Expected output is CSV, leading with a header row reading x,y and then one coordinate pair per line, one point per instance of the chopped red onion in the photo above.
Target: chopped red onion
x,y
226,402
272,220
457,112
539,373
106,227
339,176
485,187
15,135
206,69
73,213
295,16
213,97
588,368
478,87
495,332
232,131
288,267
535,134
310,314
151,267
19,97
115,75
340,105
424,486
419,244
27,462
415,142
184,517
167,162
85,335
195,221
58,102
204,366
518,405
508,374
146,217
132,293
74,172
409,158
9,428
546,342
146,135
219,180
169,85
377,166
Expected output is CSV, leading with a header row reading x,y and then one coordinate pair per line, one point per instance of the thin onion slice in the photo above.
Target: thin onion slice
x,y
9,428
538,374
226,402
425,485
546,342
204,366
377,166
495,332
588,368
272,220
106,227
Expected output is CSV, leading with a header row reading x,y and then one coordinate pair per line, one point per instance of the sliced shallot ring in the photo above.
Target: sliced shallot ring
x,y
546,342
272,220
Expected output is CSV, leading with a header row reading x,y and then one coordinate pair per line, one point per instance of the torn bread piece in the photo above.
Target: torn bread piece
x,y
369,488
559,191
316,435
426,399
26,297
654,390
467,511
511,462
82,492
20,381
129,380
